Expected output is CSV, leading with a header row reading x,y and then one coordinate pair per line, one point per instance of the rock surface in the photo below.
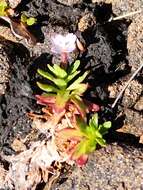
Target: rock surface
x,y
5,49
70,2
110,168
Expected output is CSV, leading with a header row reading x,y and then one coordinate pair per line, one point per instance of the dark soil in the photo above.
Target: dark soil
x,y
107,59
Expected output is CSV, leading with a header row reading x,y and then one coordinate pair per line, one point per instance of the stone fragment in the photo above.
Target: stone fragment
x,y
139,105
70,2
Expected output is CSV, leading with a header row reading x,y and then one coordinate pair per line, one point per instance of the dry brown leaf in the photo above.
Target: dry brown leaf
x,y
30,167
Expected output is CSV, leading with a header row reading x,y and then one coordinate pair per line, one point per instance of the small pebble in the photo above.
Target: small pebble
x,y
139,105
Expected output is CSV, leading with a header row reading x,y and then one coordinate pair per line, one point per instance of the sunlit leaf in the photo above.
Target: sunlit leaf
x,y
107,124
30,21
84,147
80,149
45,74
77,81
3,6
80,90
105,127
47,87
57,70
101,141
23,18
93,122
74,66
70,77
60,82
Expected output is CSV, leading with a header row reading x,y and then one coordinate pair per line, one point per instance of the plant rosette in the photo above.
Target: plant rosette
x,y
65,89
78,142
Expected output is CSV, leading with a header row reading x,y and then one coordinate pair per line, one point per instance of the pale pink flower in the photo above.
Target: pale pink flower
x,y
63,44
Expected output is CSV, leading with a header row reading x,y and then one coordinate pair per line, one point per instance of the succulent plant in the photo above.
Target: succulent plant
x,y
84,138
66,87
28,20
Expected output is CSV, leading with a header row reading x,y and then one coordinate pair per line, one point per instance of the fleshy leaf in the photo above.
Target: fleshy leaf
x,y
93,122
23,18
84,147
60,82
56,70
107,124
3,6
74,67
45,74
82,160
70,77
74,85
80,90
101,141
30,21
81,124
47,87
105,127
45,100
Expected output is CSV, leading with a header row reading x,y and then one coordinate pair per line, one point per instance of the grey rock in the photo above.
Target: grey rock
x,y
132,93
139,105
134,121
70,2
4,65
110,168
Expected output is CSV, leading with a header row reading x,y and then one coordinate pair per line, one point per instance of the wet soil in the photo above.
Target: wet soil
x,y
114,51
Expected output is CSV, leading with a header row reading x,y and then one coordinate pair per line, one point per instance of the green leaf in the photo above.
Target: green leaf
x,y
90,132
3,6
74,85
101,141
98,134
23,18
81,124
105,127
30,21
79,91
70,77
60,83
84,147
45,74
74,67
47,87
56,70
93,122
81,149
107,124
60,72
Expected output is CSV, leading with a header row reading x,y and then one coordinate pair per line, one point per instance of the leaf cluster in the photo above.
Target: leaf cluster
x,y
65,85
28,21
87,135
